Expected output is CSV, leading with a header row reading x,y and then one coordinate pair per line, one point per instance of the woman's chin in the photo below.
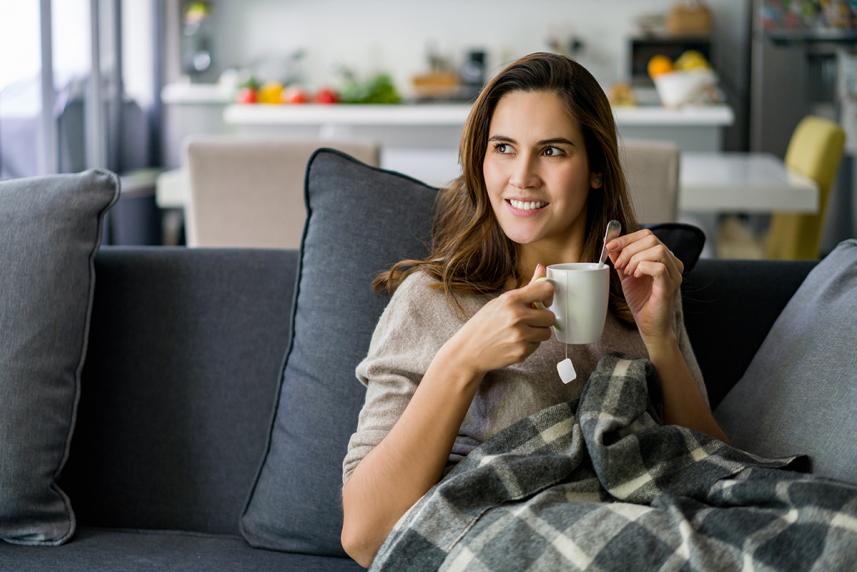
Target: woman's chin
x,y
522,238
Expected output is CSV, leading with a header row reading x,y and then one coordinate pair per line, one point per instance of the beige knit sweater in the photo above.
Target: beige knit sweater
x,y
418,320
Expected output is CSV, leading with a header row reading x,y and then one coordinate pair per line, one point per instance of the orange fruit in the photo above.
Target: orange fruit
x,y
659,65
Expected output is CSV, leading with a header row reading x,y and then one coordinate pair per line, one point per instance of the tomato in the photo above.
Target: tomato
x,y
247,95
326,95
295,95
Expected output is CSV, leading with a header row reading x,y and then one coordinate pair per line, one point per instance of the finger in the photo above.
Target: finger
x,y
537,334
620,242
539,272
540,318
657,253
643,242
672,276
539,291
657,270
532,347
673,264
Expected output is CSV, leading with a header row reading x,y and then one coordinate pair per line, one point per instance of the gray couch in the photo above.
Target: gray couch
x,y
180,383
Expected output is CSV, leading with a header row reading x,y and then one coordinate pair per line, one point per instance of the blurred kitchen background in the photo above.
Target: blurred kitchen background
x,y
126,84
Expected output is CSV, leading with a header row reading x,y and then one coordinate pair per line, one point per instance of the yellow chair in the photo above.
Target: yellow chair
x,y
815,150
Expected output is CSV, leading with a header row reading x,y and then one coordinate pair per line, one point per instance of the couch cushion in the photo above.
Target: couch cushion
x,y
97,549
360,220
799,392
50,229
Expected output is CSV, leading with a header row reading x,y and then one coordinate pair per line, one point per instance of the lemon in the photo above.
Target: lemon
x,y
691,60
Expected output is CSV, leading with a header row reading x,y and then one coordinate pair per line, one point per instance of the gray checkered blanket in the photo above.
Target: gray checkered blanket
x,y
599,483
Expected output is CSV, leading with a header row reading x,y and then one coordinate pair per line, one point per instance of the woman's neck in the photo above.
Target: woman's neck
x,y
545,254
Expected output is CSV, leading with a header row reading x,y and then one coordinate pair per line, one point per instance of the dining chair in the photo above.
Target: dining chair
x,y
815,150
249,192
652,173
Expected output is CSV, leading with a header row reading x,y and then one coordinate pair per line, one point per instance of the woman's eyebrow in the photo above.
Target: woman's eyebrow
x,y
553,140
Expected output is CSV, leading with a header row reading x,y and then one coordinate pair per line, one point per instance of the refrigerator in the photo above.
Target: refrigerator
x,y
802,63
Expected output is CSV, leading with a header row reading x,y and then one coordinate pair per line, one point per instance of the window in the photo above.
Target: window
x,y
58,111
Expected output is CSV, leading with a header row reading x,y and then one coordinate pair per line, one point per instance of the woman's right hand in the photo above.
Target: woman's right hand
x,y
507,329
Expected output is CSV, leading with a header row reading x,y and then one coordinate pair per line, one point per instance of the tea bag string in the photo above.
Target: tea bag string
x,y
565,311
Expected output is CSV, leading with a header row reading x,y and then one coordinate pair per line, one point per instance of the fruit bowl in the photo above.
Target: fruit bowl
x,y
688,87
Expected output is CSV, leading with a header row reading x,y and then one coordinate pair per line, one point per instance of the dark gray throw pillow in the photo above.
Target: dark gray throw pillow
x,y
799,393
360,220
50,230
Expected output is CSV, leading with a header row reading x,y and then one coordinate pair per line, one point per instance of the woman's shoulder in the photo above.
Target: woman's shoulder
x,y
415,315
414,294
419,288
417,280
422,296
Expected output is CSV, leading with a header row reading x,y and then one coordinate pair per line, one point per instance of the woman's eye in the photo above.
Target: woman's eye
x,y
500,147
553,151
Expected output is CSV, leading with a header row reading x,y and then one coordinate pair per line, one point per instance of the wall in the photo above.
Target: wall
x,y
372,35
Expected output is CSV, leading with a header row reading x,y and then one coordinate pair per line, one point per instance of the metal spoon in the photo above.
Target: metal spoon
x,y
614,228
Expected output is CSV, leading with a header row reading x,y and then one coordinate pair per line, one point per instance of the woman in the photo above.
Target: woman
x,y
462,349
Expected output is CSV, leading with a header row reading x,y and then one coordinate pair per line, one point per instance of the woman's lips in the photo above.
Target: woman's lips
x,y
522,212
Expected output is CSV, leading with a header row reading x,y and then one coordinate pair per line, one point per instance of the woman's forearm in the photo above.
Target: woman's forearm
x,y
409,460
683,403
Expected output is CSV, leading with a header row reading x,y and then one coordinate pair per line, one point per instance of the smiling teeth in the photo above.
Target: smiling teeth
x,y
526,206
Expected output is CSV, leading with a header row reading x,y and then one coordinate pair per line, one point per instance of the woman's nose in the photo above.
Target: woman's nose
x,y
524,173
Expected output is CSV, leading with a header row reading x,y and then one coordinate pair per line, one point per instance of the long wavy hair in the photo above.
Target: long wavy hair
x,y
470,253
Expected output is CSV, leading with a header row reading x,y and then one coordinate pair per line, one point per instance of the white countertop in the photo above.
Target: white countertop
x,y
351,114
197,93
446,114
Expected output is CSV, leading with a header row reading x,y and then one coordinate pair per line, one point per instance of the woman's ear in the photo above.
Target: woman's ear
x,y
595,180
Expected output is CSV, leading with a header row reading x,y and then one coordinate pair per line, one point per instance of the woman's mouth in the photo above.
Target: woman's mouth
x,y
525,208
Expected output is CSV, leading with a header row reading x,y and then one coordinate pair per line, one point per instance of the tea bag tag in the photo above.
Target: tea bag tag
x,y
566,371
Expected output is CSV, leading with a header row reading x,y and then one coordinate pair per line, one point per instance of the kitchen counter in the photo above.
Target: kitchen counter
x,y
449,114
420,139
407,114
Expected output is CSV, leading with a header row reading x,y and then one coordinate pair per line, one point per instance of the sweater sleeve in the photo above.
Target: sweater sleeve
x,y
405,340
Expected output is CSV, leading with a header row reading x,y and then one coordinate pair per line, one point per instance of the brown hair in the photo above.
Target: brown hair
x,y
470,252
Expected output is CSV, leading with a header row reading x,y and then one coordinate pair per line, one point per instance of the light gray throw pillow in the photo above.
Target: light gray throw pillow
x,y
50,229
799,394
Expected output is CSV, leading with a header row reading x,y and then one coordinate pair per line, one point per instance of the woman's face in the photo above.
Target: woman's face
x,y
536,155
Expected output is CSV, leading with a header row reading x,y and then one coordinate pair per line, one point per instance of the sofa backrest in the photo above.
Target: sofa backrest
x,y
179,384
184,360
729,306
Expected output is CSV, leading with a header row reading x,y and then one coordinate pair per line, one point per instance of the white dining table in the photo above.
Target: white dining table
x,y
742,182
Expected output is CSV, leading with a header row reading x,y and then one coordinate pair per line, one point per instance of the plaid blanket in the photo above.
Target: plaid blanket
x,y
599,483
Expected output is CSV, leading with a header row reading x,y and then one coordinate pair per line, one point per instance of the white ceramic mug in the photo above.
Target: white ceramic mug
x,y
581,292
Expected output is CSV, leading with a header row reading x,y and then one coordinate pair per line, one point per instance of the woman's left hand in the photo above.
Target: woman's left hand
x,y
651,275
